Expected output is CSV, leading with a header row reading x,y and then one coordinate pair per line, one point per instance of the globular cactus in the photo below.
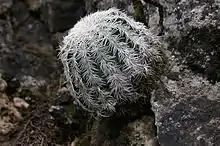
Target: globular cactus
x,y
108,59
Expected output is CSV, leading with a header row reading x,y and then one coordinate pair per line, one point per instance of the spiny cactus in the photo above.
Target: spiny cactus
x,y
106,57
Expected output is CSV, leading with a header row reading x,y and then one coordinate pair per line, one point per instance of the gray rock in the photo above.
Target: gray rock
x,y
19,14
29,64
142,132
34,4
191,30
94,5
3,84
26,48
62,15
186,104
4,5
186,110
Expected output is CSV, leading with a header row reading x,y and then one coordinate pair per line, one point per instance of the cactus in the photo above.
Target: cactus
x,y
106,57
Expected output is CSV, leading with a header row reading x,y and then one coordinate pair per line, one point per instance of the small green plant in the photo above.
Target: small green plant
x,y
108,59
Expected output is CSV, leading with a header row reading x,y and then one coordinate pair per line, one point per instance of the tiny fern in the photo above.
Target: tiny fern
x,y
108,57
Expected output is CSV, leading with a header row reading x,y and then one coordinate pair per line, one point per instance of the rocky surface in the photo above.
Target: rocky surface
x,y
4,5
142,132
29,69
94,5
192,33
186,109
187,101
62,15
10,116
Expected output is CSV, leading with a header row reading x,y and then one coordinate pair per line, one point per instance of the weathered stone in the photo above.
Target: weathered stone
x,y
142,132
66,115
30,52
13,55
4,5
200,50
19,14
6,37
186,110
3,84
62,15
94,5
29,64
34,4
186,105
20,103
9,116
191,30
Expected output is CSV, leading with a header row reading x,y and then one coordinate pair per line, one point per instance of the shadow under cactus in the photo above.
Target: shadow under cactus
x,y
111,131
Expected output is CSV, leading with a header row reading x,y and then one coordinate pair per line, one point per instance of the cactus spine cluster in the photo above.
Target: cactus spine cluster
x,y
106,56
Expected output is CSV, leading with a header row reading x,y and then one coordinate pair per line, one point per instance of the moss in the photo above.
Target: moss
x,y
139,11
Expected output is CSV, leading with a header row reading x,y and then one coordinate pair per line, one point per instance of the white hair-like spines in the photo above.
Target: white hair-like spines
x,y
104,54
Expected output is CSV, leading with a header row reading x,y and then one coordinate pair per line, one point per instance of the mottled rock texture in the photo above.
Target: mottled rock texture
x,y
61,15
192,33
187,109
186,103
25,44
29,69
4,5
94,5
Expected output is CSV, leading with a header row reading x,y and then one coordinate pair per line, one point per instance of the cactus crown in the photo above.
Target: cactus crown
x,y
105,55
